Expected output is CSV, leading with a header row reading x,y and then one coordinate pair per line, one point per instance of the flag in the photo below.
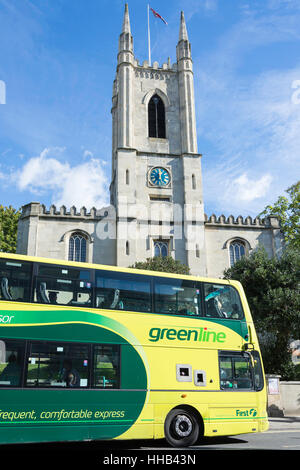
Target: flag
x,y
157,15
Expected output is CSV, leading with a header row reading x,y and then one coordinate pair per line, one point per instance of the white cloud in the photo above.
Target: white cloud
x,y
231,191
81,185
247,189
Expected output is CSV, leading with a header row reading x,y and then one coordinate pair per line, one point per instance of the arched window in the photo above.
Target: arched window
x,y
236,251
156,118
161,248
77,247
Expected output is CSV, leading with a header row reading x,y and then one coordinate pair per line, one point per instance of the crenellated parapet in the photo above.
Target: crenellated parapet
x,y
36,209
240,221
155,66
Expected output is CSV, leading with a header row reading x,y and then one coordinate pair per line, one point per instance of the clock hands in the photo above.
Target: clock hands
x,y
159,176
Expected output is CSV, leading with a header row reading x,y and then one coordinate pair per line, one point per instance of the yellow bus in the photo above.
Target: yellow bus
x,y
97,352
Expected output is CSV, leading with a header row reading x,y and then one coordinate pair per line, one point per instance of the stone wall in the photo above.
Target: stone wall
x,y
290,396
283,397
221,231
46,232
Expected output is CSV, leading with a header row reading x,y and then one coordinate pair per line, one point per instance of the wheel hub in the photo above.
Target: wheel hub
x,y
183,426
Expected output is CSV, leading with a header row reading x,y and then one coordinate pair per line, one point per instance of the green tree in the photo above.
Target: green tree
x,y
162,263
288,211
272,287
8,228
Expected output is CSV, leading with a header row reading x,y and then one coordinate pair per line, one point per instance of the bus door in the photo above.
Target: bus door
x,y
241,378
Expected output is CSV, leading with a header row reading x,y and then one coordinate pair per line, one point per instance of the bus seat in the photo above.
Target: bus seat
x,y
212,309
116,299
99,301
2,352
42,294
4,289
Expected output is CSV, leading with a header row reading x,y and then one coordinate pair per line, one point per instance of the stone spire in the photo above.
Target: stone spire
x,y
183,31
126,40
126,22
186,91
183,47
123,89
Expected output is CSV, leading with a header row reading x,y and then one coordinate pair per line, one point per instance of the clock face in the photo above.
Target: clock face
x,y
159,176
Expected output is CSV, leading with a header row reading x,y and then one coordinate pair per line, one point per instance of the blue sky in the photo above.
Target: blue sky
x,y
58,61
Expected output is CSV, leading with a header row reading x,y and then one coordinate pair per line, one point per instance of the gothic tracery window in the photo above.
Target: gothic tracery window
x,y
77,247
156,118
236,251
161,248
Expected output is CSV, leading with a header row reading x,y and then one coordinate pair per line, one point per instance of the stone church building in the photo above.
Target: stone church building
x,y
156,202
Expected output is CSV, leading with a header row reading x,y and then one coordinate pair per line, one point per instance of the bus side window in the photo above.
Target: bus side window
x,y
63,286
222,301
55,364
119,291
176,296
106,372
15,278
11,362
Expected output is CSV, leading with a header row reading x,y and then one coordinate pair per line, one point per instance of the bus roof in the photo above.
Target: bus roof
x,y
85,265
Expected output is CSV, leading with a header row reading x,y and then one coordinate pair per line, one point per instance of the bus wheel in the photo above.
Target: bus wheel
x,y
181,428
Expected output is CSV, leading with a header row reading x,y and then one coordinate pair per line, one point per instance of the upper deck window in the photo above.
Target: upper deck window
x,y
107,289
222,301
123,291
177,296
63,286
15,279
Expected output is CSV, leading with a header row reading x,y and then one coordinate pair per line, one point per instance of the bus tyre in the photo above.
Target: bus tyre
x,y
181,428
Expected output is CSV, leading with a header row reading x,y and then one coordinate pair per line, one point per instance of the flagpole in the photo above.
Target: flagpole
x,y
149,48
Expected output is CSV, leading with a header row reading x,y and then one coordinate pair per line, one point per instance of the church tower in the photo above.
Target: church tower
x,y
156,188
156,183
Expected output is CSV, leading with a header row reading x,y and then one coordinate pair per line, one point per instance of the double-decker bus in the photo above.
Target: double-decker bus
x,y
97,352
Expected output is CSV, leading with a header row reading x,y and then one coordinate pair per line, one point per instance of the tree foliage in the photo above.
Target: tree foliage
x,y
8,229
272,287
287,209
164,264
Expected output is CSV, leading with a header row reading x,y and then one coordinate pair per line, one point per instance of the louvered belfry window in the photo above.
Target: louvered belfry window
x,y
156,118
